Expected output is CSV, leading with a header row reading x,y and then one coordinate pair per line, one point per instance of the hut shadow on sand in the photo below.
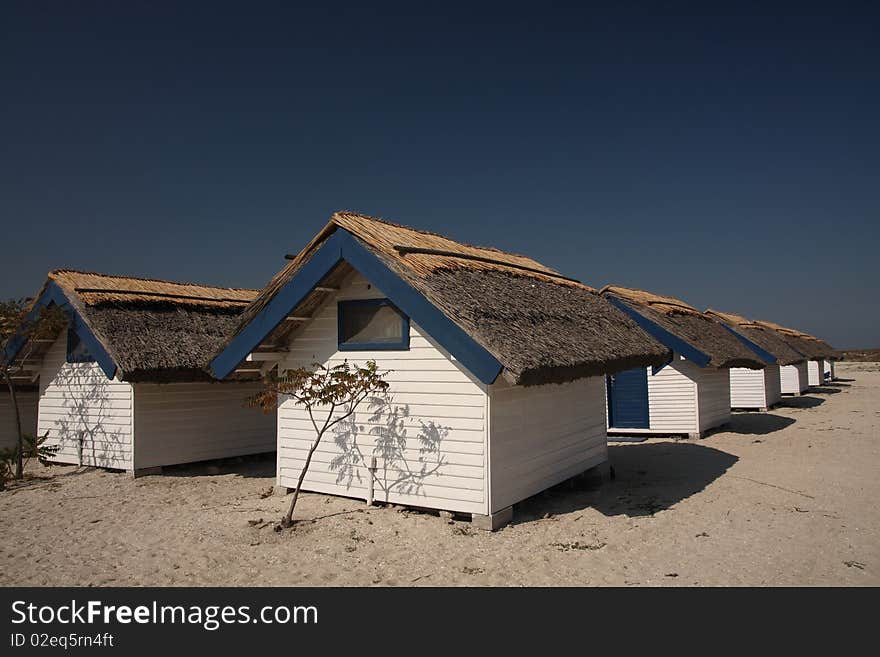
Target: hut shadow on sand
x,y
801,402
758,424
650,477
252,466
825,389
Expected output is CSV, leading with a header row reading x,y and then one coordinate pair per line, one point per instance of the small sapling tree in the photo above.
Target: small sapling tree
x,y
14,323
335,391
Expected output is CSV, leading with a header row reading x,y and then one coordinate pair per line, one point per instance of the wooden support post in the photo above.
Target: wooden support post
x,y
371,488
493,521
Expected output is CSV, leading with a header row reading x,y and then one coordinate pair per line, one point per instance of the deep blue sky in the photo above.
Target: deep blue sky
x,y
730,158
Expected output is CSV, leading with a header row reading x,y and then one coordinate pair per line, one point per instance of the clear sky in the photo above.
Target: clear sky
x,y
730,158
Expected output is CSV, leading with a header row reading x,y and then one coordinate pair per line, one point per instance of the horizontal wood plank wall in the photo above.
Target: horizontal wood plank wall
x,y
772,385
672,397
794,378
27,408
747,388
803,377
814,372
188,422
429,436
85,413
713,392
542,435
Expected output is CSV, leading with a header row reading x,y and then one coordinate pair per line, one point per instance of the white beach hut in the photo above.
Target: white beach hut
x,y
793,378
761,389
691,394
830,373
496,363
124,384
816,352
816,372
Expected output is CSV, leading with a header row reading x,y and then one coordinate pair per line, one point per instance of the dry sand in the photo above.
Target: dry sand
x,y
788,497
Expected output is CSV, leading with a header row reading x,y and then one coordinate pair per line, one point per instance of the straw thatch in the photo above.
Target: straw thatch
x,y
698,329
95,289
811,346
766,338
540,325
154,330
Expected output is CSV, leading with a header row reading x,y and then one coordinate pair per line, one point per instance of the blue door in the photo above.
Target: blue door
x,y
628,399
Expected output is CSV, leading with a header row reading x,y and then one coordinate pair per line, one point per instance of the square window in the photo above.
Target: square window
x,y
372,324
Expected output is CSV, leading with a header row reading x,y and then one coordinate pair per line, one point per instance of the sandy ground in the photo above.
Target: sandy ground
x,y
783,498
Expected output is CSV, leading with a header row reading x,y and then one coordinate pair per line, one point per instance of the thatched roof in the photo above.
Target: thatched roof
x,y
154,330
699,330
766,338
540,325
811,346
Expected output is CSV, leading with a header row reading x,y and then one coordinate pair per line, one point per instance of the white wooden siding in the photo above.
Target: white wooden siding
x,y
429,436
814,372
187,422
672,398
793,378
27,407
754,388
542,435
713,393
772,385
87,415
747,388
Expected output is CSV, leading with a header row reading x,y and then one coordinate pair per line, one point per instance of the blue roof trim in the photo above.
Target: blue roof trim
x,y
287,298
655,369
666,338
342,245
766,356
53,295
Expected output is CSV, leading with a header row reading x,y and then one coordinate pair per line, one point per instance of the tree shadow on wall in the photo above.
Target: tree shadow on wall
x,y
406,449
88,428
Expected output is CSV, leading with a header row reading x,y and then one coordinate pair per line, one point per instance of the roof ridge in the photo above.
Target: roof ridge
x,y
657,299
67,270
493,249
740,320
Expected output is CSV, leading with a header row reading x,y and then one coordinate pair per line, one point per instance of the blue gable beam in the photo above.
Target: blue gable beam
x,y
666,338
53,295
766,356
274,312
344,246
656,368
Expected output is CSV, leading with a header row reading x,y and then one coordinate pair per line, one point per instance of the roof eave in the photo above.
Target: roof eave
x,y
52,294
